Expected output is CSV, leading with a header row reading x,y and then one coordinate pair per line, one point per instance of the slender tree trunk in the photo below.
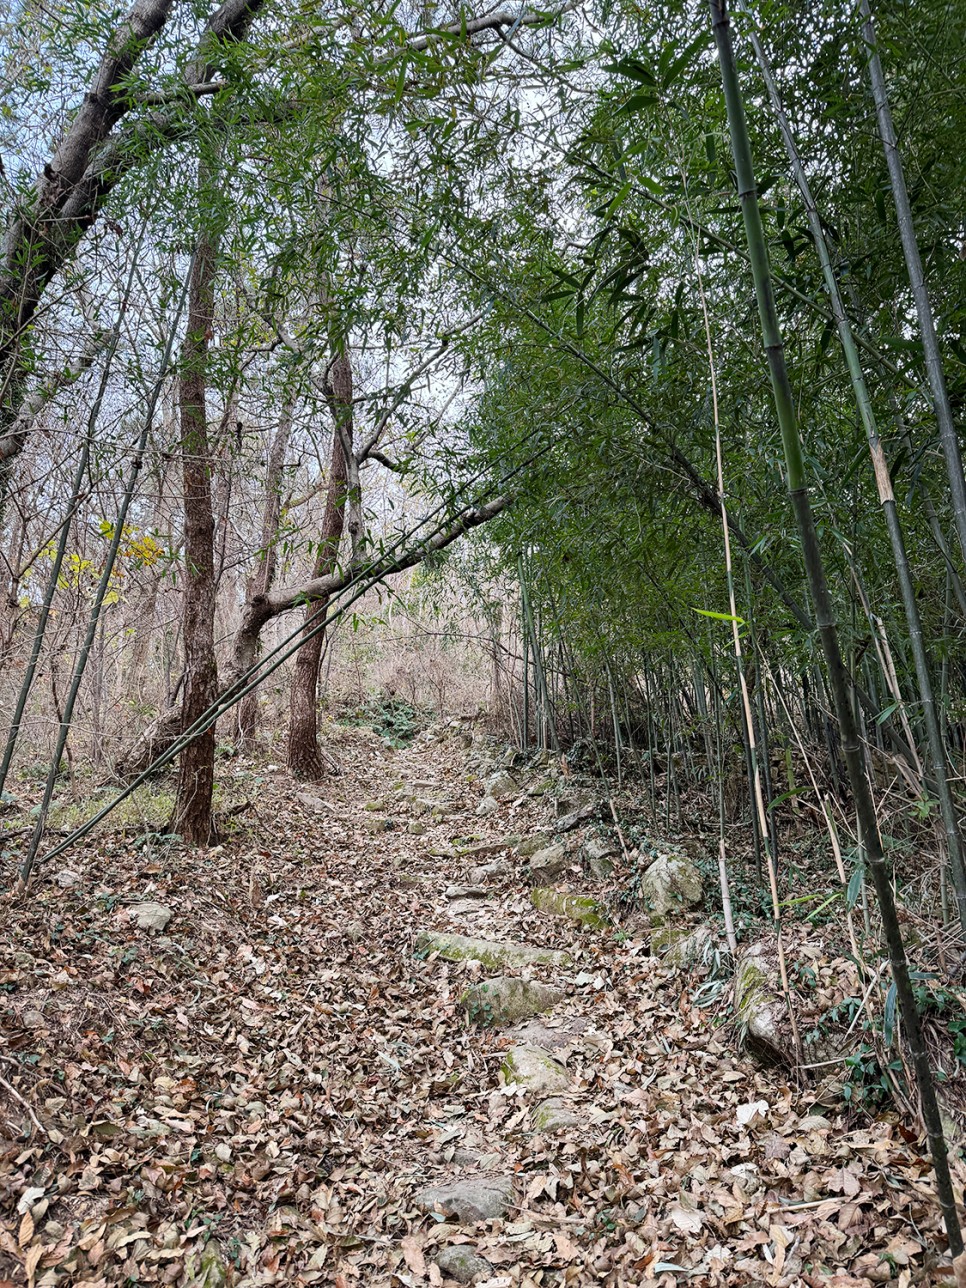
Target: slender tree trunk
x,y
196,775
264,575
304,758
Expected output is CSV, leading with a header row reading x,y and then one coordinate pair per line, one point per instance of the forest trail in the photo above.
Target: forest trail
x,y
273,1087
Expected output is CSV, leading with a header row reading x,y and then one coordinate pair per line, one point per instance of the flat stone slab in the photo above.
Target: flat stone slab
x,y
534,1069
470,1199
493,954
506,1000
570,1033
489,871
575,907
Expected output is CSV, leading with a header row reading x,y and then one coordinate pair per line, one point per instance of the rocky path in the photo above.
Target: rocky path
x,y
356,1053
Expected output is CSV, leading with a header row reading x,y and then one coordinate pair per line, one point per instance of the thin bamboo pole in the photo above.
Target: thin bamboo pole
x,y
824,614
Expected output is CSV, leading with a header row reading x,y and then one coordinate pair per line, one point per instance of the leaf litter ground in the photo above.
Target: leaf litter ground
x,y
257,1093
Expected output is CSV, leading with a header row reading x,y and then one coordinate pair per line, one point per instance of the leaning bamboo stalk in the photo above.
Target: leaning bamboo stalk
x,y
937,749
948,437
798,489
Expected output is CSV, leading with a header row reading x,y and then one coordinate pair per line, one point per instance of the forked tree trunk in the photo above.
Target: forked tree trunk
x,y
196,776
264,575
304,759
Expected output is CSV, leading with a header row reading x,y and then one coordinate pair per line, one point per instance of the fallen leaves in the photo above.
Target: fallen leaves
x,y
256,1095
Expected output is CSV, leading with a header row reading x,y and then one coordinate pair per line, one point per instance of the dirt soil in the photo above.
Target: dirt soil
x,y
259,1092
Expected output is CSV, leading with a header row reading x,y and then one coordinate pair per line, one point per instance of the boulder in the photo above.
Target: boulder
x,y
671,882
494,955
67,877
462,1262
470,1199
506,1000
415,828
535,1070
547,864
150,916
501,786
553,1115
576,907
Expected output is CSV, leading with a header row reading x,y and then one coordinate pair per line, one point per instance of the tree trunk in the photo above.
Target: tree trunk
x,y
304,759
264,575
196,776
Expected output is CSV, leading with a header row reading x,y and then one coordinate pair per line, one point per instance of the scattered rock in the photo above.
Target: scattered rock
x,y
477,1198
553,1115
501,786
312,802
576,907
486,847
568,822
150,916
464,892
376,825
506,999
488,805
489,871
759,1005
461,1262
681,946
540,787
66,878
534,1069
532,845
547,864
670,883
599,856
494,955
415,828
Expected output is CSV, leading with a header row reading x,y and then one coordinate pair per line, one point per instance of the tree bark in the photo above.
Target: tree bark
x,y
196,775
262,578
304,759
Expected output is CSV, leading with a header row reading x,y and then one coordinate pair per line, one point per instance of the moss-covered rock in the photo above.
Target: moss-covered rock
x,y
534,1069
671,882
462,1262
553,1116
506,1000
760,1006
576,907
682,946
493,954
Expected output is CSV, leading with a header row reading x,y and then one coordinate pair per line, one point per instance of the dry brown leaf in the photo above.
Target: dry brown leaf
x,y
26,1231
412,1250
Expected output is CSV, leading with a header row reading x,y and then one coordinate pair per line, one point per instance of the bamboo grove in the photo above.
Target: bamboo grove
x,y
664,305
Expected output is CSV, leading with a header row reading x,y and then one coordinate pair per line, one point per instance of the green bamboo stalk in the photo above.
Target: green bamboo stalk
x,y
948,437
797,483
923,668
